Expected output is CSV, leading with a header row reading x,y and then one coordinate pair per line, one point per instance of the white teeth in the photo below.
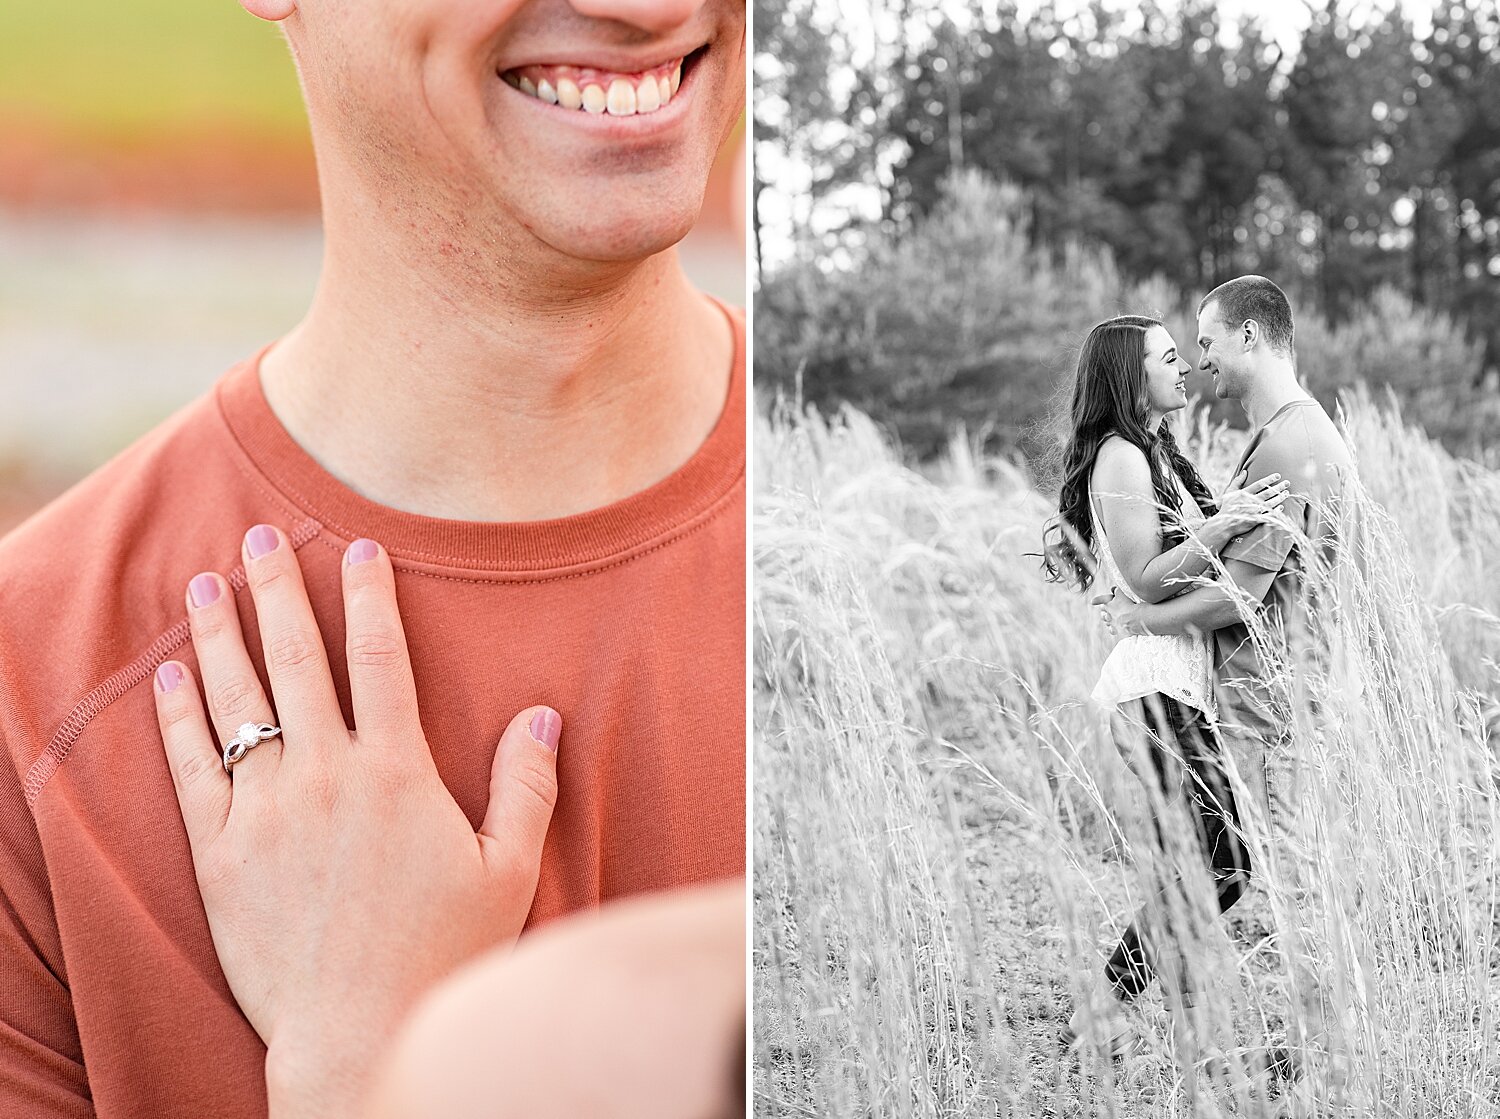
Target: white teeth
x,y
621,99
648,96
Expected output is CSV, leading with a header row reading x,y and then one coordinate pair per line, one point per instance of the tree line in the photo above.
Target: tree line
x,y
1362,159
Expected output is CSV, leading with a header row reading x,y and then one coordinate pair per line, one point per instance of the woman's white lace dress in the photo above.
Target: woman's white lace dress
x,y
1178,665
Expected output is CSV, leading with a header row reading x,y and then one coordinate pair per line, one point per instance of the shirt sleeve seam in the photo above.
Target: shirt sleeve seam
x,y
122,681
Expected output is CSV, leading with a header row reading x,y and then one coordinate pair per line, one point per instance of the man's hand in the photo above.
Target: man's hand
x,y
1120,615
339,877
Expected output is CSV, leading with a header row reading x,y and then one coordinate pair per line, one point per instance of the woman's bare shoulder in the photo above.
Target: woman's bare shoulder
x,y
1120,466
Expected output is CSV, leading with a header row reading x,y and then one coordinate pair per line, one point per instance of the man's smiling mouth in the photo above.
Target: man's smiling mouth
x,y
602,91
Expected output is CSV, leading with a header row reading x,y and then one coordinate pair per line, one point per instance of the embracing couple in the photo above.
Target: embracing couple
x,y
1184,578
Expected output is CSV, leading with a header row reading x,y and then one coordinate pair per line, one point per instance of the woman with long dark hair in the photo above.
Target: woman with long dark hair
x,y
1134,514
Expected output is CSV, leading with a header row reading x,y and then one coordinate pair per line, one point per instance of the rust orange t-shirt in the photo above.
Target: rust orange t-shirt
x,y
630,620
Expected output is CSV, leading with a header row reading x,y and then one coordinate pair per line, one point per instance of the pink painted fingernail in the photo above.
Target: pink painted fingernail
x,y
203,589
168,676
260,540
546,728
362,550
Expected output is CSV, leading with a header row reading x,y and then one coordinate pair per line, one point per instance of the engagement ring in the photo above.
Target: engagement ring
x,y
247,738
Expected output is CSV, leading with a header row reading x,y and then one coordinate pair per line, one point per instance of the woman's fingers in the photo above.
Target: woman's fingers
x,y
381,688
523,788
1271,496
233,689
1260,497
198,775
295,660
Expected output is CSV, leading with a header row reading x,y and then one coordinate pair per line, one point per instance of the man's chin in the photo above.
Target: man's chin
x,y
618,235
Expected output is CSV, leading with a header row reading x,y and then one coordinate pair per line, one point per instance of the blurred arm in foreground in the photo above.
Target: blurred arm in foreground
x,y
634,1010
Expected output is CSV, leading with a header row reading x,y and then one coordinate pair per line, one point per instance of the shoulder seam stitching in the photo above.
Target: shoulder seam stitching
x,y
121,681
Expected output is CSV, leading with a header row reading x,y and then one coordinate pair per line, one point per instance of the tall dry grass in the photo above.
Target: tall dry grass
x,y
947,839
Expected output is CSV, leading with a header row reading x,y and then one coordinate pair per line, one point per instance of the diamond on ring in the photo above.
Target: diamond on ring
x,y
246,738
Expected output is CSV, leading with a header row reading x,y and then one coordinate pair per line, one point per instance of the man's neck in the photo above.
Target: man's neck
x,y
476,403
1271,391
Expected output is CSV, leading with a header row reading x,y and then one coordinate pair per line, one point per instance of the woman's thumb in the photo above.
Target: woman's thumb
x,y
523,784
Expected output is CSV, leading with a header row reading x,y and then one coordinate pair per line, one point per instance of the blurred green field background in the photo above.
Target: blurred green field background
x,y
158,220
131,73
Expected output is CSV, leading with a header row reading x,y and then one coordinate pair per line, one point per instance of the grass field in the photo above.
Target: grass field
x,y
947,840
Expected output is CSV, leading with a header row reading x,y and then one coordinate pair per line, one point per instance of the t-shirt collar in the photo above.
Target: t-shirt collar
x,y
599,536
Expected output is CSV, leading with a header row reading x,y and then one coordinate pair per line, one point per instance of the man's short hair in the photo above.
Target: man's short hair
x,y
1255,297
